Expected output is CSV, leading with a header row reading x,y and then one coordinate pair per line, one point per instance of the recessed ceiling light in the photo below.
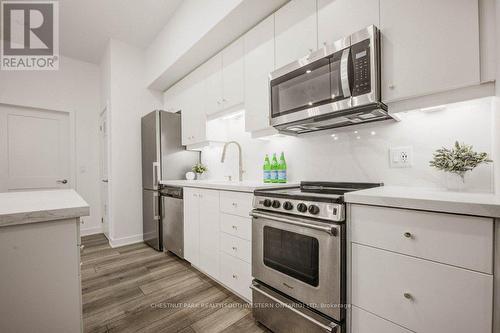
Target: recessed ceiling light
x,y
358,137
355,132
336,138
308,71
310,103
373,133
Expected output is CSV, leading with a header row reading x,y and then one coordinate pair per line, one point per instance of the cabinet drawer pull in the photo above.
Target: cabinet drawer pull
x,y
235,276
235,204
235,248
235,227
408,296
408,235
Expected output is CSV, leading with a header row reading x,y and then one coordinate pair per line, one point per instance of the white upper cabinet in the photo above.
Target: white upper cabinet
x,y
213,84
259,62
171,99
428,46
233,74
340,18
296,28
192,108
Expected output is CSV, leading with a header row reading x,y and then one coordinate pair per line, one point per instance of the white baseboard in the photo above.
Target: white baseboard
x,y
125,240
91,231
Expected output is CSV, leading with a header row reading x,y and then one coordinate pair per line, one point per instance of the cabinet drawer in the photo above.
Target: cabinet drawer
x,y
237,275
421,295
458,240
365,322
236,226
236,247
236,203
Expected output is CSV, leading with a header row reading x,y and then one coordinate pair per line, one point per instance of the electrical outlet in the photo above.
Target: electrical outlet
x,y
401,157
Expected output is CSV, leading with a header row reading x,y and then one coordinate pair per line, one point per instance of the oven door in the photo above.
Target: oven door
x,y
301,258
312,86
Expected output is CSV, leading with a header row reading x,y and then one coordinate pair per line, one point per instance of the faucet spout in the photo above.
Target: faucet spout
x,y
240,157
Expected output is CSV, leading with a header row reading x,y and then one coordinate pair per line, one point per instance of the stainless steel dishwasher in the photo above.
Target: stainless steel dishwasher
x,y
172,219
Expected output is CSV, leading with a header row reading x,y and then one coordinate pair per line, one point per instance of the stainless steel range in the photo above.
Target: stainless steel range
x,y
299,255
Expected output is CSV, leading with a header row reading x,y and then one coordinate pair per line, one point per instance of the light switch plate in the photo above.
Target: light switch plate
x,y
401,157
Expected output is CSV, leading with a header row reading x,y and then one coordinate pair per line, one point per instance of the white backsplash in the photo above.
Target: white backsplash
x,y
362,153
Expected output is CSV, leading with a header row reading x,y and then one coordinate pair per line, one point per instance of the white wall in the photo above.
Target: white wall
x,y
73,88
320,157
196,32
124,87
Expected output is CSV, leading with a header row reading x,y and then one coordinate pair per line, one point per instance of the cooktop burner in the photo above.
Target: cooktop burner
x,y
321,200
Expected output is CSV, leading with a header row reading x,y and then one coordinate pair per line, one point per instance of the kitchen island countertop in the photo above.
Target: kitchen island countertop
x,y
40,206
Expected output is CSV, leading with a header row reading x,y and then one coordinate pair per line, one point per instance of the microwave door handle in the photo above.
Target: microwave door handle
x,y
344,73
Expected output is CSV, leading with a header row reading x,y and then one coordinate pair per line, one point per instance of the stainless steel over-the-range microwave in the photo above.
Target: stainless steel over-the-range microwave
x,y
335,86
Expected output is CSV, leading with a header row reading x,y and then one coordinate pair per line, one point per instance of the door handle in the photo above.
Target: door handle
x,y
62,181
344,72
155,175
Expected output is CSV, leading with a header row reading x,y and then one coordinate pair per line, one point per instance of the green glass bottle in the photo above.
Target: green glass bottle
x,y
274,169
267,170
282,169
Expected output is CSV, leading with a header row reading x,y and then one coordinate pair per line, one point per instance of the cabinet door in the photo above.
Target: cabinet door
x,y
209,232
171,99
296,31
421,295
340,18
232,74
259,62
193,115
191,226
428,46
213,84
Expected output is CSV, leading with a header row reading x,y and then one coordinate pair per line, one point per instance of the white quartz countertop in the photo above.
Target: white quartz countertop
x,y
478,204
244,186
40,206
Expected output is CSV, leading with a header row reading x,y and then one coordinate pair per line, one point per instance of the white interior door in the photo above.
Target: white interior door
x,y
34,149
103,130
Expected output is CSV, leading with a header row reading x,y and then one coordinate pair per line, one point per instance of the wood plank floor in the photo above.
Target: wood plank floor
x,y
136,289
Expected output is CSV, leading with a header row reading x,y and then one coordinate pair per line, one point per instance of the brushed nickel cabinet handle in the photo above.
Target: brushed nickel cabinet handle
x,y
408,296
408,235
62,181
234,248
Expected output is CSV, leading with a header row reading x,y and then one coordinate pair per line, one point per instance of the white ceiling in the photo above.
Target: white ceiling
x,y
85,26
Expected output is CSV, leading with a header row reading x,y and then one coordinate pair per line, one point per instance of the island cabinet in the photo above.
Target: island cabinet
x,y
217,236
418,271
40,279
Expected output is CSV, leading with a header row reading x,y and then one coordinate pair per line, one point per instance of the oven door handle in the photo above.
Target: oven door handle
x,y
328,328
328,229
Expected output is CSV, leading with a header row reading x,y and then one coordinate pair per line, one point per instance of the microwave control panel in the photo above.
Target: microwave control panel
x,y
362,68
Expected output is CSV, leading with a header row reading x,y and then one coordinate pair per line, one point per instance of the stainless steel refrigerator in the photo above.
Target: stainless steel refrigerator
x,y
163,158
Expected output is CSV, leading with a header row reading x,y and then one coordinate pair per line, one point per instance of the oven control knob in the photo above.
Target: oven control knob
x,y
276,204
267,203
288,205
302,207
313,209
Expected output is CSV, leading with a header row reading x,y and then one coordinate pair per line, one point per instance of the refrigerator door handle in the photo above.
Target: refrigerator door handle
x,y
156,213
155,175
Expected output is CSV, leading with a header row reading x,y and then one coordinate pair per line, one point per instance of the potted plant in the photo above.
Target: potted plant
x,y
199,169
457,161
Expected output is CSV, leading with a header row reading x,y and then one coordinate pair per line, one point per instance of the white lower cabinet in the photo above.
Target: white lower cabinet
x,y
420,286
366,322
237,275
216,242
209,232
